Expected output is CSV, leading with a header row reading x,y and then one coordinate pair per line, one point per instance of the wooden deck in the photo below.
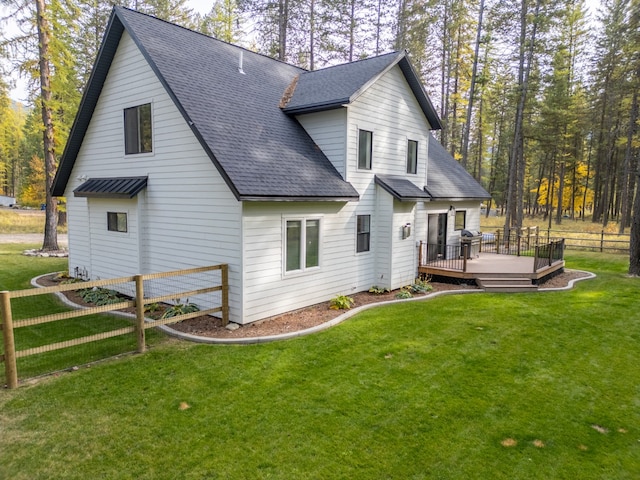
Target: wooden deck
x,y
492,265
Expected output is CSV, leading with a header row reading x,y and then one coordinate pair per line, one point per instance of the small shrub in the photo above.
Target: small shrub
x,y
421,286
152,307
341,302
378,290
180,309
100,296
405,292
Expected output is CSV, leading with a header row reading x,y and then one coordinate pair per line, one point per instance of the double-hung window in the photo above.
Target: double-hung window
x,y
365,148
363,233
302,245
137,129
412,156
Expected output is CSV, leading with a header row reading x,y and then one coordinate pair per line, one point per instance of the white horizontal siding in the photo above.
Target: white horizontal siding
x,y
189,217
328,130
268,290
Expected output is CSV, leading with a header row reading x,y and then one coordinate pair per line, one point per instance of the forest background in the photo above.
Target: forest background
x,y
538,98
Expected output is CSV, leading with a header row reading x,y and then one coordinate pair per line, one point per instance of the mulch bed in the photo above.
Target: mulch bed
x,y
207,326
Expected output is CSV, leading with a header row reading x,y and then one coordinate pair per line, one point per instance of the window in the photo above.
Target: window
x,y
461,218
117,222
365,146
302,249
137,129
412,156
363,233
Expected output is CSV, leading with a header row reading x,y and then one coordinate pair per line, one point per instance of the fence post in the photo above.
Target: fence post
x,y
140,331
602,241
225,294
10,365
498,241
519,244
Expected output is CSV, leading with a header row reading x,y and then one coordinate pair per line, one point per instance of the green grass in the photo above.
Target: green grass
x,y
16,272
23,221
416,390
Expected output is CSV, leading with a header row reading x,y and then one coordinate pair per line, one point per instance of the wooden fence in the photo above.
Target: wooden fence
x,y
139,300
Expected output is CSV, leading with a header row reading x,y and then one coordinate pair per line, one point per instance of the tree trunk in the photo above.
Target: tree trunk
x,y
467,126
50,242
283,26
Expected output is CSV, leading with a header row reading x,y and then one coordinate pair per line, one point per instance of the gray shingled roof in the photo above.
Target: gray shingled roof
x,y
447,179
401,188
261,152
340,85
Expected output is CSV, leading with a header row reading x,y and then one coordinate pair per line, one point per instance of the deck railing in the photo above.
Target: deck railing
x,y
455,257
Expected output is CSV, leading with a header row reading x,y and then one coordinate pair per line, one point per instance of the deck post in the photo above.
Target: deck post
x,y
519,244
420,254
465,252
10,365
140,333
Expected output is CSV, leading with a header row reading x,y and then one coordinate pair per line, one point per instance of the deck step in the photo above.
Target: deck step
x,y
506,285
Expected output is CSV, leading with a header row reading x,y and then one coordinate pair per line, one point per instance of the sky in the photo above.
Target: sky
x,y
200,6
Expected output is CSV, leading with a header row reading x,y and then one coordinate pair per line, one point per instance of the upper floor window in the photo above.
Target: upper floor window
x,y
365,147
461,219
363,233
302,245
137,129
117,222
412,156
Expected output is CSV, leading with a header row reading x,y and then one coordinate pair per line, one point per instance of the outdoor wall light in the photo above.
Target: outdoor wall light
x,y
406,230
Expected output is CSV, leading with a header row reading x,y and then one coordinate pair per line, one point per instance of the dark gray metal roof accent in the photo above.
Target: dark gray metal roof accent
x,y
260,152
447,179
401,188
118,187
336,86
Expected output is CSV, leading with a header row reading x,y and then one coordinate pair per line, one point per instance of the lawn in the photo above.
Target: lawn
x,y
482,386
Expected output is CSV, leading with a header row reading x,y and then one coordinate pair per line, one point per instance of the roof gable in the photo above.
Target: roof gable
x,y
259,151
340,85
447,179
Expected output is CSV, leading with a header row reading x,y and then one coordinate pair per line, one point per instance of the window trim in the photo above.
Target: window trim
x,y
464,220
359,233
113,220
368,161
413,171
303,244
138,150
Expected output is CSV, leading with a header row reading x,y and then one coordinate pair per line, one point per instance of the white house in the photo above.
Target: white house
x,y
187,151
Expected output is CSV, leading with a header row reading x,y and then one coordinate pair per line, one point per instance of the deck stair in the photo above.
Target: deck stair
x,y
506,284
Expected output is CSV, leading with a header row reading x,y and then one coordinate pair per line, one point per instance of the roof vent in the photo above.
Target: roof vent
x,y
240,63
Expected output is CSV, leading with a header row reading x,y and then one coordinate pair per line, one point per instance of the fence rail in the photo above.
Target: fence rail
x,y
143,292
576,240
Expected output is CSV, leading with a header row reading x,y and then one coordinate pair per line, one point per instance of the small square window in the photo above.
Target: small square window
x,y
363,233
461,219
137,129
412,156
365,147
117,222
